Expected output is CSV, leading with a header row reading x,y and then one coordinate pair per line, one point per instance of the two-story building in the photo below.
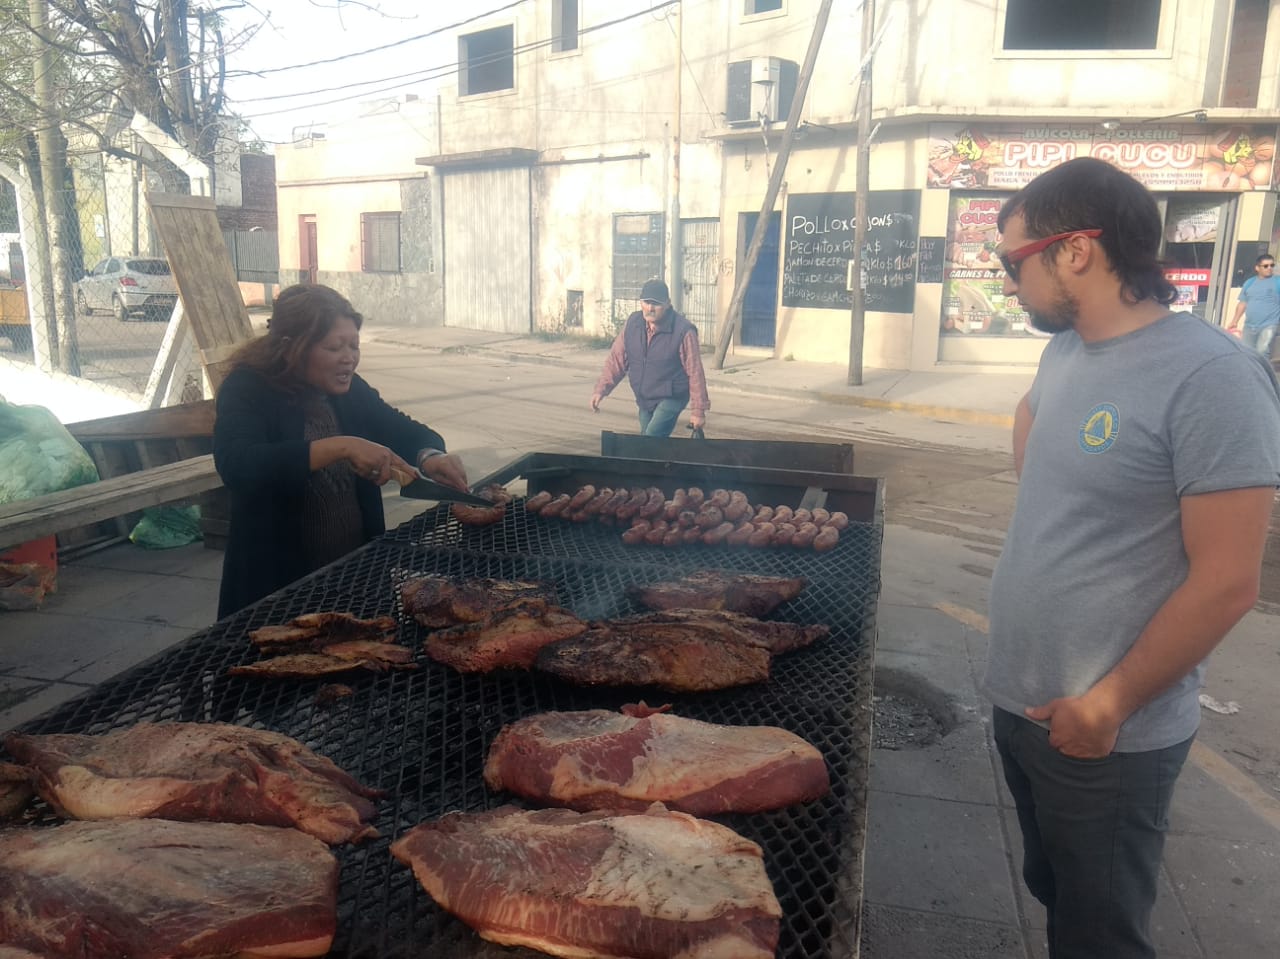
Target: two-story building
x,y
576,148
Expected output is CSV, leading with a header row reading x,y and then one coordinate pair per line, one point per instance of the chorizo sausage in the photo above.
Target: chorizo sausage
x,y
738,507
673,537
839,520
763,515
694,497
656,532
691,535
680,498
670,510
635,499
783,514
537,501
582,497
616,502
826,539
655,499
804,535
709,517
783,533
556,506
820,517
687,519
762,536
741,533
632,537
714,537
597,502
643,525
802,516
719,497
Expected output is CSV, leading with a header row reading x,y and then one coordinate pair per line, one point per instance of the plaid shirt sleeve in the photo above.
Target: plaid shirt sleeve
x,y
691,360
615,367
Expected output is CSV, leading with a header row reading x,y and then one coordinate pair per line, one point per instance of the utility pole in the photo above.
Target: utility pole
x,y
734,315
858,309
675,271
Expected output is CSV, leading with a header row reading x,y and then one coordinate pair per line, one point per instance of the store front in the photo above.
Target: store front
x,y
1197,175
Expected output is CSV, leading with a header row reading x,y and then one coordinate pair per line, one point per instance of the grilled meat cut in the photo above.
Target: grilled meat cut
x,y
599,759
509,638
315,628
673,660
154,889
721,625
197,771
719,589
648,885
320,644
15,790
437,602
469,515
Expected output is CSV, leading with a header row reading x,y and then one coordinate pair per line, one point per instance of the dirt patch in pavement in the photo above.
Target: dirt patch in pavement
x,y
909,712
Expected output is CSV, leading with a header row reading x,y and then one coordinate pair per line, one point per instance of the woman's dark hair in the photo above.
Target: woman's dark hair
x,y
1090,194
301,317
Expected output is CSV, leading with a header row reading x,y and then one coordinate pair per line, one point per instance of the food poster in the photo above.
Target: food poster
x,y
973,300
1233,159
1192,287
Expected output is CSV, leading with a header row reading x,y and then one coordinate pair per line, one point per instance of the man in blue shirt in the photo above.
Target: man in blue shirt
x,y
1260,304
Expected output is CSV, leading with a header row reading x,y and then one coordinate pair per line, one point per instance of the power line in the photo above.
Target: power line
x,y
435,73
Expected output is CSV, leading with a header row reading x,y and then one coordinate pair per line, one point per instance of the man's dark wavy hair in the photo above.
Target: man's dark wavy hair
x,y
1090,194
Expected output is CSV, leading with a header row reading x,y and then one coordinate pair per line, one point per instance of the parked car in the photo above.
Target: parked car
x,y
128,286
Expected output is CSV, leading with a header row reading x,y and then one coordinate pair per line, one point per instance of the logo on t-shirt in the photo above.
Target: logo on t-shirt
x,y
1100,428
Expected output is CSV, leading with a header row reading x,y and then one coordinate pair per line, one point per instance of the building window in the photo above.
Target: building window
x,y
761,6
573,308
380,242
1081,25
487,61
564,25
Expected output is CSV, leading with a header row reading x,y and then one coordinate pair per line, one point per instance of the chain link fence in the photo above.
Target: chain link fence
x,y
85,291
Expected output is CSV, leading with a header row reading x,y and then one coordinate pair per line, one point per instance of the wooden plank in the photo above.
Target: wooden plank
x,y
197,254
189,419
44,515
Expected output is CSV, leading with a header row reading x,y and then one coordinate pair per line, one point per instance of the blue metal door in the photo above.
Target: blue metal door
x,y
760,306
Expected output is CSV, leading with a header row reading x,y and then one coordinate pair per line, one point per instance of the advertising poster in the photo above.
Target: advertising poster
x,y
973,300
1231,159
1192,287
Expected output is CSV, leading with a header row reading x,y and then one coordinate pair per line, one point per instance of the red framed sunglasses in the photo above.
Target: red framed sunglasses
x,y
1011,258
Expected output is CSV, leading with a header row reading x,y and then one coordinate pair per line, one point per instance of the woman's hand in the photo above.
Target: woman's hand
x,y
446,469
370,461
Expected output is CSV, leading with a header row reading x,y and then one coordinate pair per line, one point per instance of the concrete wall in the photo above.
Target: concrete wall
x,y
366,166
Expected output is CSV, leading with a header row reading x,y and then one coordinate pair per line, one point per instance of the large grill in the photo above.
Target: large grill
x,y
422,735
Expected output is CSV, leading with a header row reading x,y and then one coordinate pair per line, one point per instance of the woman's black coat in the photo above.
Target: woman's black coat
x,y
260,453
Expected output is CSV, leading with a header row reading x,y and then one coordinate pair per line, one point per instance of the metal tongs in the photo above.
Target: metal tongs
x,y
423,487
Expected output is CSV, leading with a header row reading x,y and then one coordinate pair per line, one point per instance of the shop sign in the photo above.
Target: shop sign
x,y
1189,284
973,298
969,156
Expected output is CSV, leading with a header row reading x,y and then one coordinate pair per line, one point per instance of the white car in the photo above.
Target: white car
x,y
128,285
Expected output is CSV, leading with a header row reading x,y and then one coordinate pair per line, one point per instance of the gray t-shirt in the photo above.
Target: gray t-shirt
x,y
1122,430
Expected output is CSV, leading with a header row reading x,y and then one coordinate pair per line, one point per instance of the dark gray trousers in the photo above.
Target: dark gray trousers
x,y
1093,837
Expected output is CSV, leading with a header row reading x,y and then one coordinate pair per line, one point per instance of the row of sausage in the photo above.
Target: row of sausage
x,y
692,516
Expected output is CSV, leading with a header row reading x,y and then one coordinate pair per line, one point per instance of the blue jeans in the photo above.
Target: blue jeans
x,y
1093,837
1260,339
661,420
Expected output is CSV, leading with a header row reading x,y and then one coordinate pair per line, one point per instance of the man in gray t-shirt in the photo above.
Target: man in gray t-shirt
x,y
1135,546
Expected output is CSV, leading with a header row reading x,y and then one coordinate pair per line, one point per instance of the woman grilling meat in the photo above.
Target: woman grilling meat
x,y
303,445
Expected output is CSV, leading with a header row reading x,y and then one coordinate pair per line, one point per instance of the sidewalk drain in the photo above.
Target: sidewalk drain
x,y
909,712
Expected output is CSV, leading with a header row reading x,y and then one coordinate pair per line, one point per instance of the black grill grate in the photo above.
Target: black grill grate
x,y
423,735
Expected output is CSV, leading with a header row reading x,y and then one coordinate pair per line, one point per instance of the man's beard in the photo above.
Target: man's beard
x,y
1060,315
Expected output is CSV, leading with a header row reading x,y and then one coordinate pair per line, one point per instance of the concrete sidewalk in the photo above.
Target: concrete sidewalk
x,y
958,396
942,875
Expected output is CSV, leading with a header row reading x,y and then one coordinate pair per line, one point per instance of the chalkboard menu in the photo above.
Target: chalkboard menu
x,y
929,259
819,243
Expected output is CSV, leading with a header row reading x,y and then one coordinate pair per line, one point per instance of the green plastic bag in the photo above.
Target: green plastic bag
x,y
165,527
38,455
